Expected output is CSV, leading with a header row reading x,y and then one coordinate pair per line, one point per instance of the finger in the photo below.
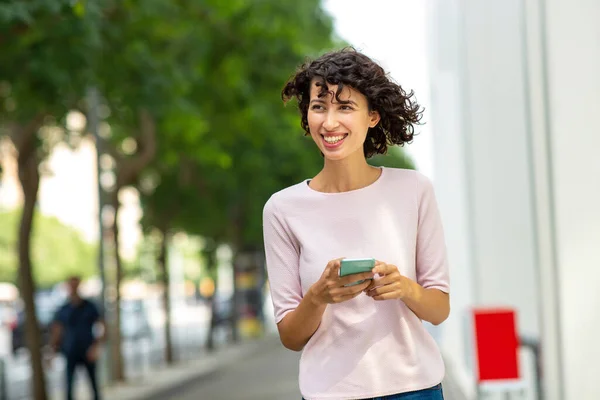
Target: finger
x,y
348,290
384,269
372,284
386,280
332,269
385,296
379,263
393,287
345,297
345,280
336,262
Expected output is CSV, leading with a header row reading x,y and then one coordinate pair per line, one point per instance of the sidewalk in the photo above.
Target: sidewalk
x,y
161,381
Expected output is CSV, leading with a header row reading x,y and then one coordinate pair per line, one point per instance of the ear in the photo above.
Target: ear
x,y
374,118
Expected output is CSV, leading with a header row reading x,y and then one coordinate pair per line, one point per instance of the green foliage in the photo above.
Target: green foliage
x,y
141,63
395,158
209,73
58,250
219,167
46,56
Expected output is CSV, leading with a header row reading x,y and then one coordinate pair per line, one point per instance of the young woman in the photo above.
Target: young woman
x,y
367,340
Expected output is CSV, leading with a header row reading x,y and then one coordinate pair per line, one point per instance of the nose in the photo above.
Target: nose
x,y
331,122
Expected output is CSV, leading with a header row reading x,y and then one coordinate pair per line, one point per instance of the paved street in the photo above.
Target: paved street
x,y
269,375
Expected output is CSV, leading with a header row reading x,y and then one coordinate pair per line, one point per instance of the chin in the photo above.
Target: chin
x,y
334,156
342,154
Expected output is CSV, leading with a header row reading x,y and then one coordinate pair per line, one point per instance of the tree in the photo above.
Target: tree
x,y
159,212
41,80
23,138
210,170
152,51
128,169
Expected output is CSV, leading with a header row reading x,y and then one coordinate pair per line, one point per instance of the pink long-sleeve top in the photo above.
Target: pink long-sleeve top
x,y
363,347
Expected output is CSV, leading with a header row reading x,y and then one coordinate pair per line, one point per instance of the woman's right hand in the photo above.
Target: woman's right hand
x,y
330,289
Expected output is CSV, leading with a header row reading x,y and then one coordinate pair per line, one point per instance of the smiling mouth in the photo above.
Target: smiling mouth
x,y
334,139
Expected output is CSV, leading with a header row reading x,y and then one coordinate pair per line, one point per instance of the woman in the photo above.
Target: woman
x,y
367,340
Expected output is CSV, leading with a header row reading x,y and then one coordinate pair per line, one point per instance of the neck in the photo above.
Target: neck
x,y
345,175
75,299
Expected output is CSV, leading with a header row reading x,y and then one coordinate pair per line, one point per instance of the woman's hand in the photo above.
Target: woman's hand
x,y
390,284
330,288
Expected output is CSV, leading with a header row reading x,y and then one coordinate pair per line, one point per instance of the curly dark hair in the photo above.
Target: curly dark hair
x,y
398,110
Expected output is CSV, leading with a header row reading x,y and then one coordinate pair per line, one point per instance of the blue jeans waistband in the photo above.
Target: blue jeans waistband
x,y
432,393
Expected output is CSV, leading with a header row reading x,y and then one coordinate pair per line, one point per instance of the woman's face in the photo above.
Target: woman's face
x,y
339,130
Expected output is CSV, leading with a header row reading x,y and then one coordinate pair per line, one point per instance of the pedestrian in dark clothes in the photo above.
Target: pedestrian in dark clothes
x,y
73,334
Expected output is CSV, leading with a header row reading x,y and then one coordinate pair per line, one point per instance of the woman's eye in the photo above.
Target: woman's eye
x,y
346,108
316,107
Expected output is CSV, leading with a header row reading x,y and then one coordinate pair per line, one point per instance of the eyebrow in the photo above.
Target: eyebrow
x,y
323,102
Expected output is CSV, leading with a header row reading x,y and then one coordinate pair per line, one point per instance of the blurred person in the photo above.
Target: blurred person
x,y
73,334
367,340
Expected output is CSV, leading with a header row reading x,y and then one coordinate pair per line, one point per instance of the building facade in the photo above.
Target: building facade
x,y
515,113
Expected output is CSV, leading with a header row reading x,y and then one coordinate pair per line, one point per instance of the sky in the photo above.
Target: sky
x,y
393,33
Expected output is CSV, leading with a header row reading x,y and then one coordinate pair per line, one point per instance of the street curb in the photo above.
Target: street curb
x,y
167,382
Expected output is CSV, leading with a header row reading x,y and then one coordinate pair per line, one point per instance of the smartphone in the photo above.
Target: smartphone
x,y
349,266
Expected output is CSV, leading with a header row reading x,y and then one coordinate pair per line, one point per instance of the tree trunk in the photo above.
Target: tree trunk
x,y
211,263
24,140
164,271
30,181
128,170
117,356
236,245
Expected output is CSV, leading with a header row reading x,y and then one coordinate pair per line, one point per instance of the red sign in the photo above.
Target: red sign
x,y
496,344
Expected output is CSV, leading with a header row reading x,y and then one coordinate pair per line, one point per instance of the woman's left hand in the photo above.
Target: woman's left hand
x,y
390,284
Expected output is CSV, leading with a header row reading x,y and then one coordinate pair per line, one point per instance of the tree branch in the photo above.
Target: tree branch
x,y
129,169
23,136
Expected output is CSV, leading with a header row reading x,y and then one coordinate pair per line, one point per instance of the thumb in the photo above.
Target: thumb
x,y
333,267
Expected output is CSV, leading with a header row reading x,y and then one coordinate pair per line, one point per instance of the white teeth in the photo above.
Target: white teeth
x,y
333,139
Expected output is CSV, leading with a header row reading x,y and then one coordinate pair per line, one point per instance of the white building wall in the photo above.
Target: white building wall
x,y
448,127
498,150
573,59
515,109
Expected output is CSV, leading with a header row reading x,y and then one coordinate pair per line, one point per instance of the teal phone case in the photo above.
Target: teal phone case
x,y
349,266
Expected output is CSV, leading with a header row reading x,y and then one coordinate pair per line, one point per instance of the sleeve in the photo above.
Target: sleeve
x,y
431,257
282,258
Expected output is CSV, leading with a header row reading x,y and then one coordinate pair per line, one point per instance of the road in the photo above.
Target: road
x,y
269,375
